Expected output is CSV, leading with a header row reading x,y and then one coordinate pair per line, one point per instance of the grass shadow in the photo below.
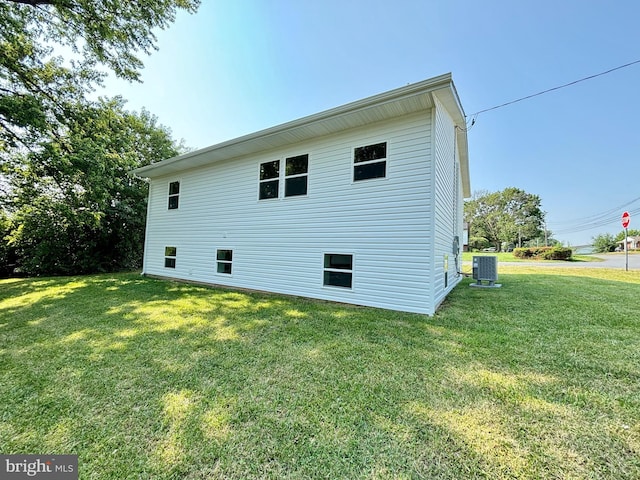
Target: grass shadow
x,y
154,379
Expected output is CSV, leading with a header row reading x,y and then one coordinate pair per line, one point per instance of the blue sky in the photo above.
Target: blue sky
x,y
238,66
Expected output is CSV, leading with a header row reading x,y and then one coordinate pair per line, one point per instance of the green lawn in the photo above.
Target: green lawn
x,y
151,379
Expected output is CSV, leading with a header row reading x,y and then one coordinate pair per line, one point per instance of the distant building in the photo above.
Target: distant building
x,y
633,243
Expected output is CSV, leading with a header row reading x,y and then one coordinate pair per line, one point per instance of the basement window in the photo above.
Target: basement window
x,y
370,161
338,270
269,179
170,254
174,194
224,259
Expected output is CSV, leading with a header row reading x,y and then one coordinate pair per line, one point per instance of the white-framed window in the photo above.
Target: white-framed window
x,y
269,180
170,254
293,176
338,270
224,261
174,194
370,161
296,174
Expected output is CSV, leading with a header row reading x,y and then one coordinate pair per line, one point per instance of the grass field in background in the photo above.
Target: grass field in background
x,y
144,378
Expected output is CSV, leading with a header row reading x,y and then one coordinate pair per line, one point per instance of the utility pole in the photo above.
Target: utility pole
x,y
626,249
546,239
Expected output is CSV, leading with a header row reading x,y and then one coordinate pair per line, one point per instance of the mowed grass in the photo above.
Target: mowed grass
x,y
144,378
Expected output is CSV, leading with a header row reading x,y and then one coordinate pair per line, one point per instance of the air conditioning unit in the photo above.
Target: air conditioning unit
x,y
485,269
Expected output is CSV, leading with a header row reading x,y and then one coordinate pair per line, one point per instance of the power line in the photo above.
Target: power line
x,y
475,115
595,224
596,216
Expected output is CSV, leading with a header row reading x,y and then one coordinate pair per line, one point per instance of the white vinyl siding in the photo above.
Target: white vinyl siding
x,y
447,221
278,246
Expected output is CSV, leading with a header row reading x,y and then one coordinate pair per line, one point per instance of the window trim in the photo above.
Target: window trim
x,y
170,257
370,162
339,270
173,195
227,262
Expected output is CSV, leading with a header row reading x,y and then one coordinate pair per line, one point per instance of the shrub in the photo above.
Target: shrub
x,y
522,253
558,253
544,253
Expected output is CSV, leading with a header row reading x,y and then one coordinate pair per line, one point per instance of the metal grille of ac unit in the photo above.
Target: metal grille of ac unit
x,y
485,268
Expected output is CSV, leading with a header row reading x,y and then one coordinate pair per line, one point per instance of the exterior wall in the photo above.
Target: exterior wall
x,y
447,218
279,245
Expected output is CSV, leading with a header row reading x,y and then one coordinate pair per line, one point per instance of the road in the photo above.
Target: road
x,y
616,261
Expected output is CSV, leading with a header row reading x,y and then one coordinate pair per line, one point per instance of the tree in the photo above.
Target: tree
x,y
75,207
631,232
511,216
37,90
7,257
603,243
68,204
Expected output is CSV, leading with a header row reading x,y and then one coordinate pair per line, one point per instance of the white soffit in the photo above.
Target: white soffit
x,y
395,103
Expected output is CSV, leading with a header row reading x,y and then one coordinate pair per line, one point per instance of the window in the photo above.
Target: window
x,y
269,179
170,257
224,259
338,270
370,162
296,170
295,180
174,193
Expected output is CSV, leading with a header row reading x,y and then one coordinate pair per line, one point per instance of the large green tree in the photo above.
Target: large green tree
x,y
75,206
67,203
38,90
511,216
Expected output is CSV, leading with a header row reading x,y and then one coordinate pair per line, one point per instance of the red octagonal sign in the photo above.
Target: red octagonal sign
x,y
625,219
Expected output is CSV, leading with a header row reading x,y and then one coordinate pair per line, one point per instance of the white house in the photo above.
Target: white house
x,y
359,204
633,243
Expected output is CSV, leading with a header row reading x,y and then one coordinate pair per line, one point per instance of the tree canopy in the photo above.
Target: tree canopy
x,y
75,207
68,203
511,216
37,88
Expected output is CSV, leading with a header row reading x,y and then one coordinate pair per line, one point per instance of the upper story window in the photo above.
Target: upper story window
x,y
370,161
269,179
296,173
294,177
174,194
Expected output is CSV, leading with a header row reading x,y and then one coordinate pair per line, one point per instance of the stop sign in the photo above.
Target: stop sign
x,y
625,219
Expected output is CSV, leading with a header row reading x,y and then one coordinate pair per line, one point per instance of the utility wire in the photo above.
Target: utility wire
x,y
475,115
596,224
595,217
